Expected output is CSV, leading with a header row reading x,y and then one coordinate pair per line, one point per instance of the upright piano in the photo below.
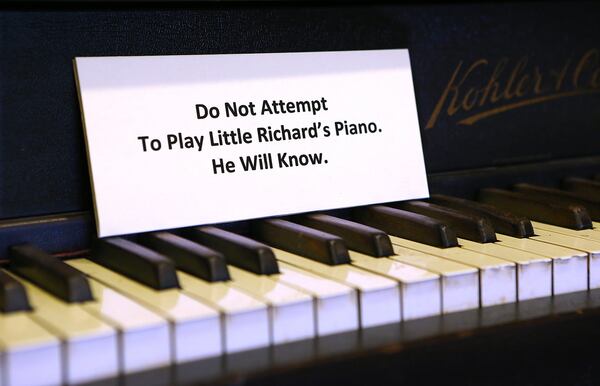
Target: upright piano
x,y
492,280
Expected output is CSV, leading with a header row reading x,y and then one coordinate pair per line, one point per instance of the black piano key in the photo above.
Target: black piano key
x,y
359,237
408,225
188,256
301,240
468,226
568,216
136,262
503,221
561,197
589,189
49,273
13,296
238,250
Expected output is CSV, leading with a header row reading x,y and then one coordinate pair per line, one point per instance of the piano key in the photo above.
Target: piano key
x,y
188,256
49,273
135,262
291,311
502,221
497,277
459,282
195,327
83,336
572,216
29,354
238,250
590,234
336,304
359,237
589,189
561,197
245,319
144,336
590,247
534,272
569,266
378,297
409,225
468,226
420,290
12,295
299,239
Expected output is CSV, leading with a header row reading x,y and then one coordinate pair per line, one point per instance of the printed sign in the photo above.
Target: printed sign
x,y
176,141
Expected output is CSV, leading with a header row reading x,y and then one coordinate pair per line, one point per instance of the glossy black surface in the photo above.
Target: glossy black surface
x,y
472,227
49,273
562,197
13,296
358,237
61,233
589,189
467,183
502,220
459,110
409,225
136,262
301,240
568,216
238,250
188,256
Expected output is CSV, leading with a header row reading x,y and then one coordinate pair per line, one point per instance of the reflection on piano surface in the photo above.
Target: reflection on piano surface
x,y
494,279
149,300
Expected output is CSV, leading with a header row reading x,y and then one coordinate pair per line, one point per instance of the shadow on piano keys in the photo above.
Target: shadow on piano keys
x,y
426,290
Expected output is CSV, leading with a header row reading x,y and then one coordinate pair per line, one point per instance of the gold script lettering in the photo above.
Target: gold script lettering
x,y
452,108
521,86
493,83
585,62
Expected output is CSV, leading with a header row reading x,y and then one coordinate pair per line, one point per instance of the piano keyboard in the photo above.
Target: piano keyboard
x,y
149,301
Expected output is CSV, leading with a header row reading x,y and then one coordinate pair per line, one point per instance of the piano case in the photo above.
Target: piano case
x,y
506,93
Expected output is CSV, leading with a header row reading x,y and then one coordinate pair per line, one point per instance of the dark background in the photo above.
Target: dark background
x,y
43,166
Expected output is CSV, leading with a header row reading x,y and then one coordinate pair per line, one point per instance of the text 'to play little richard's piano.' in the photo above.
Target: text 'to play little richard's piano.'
x,y
492,280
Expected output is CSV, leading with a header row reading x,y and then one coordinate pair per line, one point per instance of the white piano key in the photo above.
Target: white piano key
x,y
144,335
459,282
29,354
195,327
378,297
420,290
589,234
245,320
590,247
497,278
291,312
569,266
83,336
336,303
534,272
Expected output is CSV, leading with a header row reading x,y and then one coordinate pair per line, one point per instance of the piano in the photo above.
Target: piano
x,y
492,280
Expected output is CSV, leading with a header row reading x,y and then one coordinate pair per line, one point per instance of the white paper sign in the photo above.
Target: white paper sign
x,y
175,141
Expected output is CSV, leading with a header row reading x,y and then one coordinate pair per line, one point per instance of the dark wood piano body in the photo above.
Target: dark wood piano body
x,y
506,93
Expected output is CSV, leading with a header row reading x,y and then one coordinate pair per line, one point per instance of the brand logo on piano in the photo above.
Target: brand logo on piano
x,y
512,84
